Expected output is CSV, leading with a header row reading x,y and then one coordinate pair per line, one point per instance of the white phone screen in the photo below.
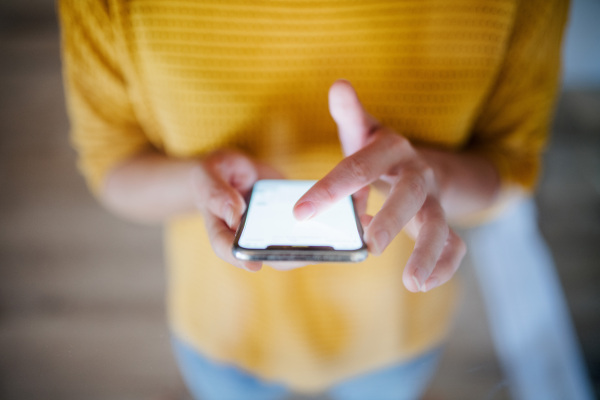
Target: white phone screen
x,y
270,221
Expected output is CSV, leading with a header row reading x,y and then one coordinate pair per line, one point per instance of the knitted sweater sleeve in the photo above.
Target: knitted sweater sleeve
x,y
512,126
104,129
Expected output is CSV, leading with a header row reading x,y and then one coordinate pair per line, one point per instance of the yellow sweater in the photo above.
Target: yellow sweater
x,y
189,77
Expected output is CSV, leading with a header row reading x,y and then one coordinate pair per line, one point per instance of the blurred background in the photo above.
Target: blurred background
x,y
82,311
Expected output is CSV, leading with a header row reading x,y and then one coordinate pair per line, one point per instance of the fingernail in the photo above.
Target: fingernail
x,y
229,216
304,211
416,281
430,284
252,267
419,277
380,241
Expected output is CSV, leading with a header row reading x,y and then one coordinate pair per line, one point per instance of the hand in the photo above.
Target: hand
x,y
219,184
377,155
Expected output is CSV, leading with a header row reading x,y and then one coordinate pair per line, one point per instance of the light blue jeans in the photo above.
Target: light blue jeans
x,y
208,380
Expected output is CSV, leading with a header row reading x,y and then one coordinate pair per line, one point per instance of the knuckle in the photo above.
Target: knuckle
x,y
415,184
224,163
214,158
392,221
219,202
428,173
395,223
325,191
225,159
360,170
396,143
329,193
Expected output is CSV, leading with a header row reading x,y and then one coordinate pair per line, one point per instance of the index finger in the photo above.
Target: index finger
x,y
352,174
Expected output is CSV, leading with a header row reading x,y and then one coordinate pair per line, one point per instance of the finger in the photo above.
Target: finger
x,y
234,168
406,197
214,196
354,123
353,173
365,220
361,199
429,245
449,262
218,183
221,240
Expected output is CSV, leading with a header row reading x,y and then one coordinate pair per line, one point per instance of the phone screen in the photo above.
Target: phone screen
x,y
270,222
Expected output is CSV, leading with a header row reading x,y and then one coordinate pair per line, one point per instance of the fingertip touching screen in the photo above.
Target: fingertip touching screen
x,y
271,223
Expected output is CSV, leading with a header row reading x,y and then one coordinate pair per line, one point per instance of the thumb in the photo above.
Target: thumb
x,y
353,122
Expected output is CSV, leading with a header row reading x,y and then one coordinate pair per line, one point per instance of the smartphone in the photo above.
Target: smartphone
x,y
270,232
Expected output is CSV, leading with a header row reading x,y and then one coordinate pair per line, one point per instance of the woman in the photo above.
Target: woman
x,y
177,108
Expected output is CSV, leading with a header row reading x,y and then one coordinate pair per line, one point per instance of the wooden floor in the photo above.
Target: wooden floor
x,y
81,292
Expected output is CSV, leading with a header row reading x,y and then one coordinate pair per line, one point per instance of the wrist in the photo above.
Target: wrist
x,y
150,187
467,182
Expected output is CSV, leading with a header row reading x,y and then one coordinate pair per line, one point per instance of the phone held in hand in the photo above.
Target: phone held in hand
x,y
270,232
